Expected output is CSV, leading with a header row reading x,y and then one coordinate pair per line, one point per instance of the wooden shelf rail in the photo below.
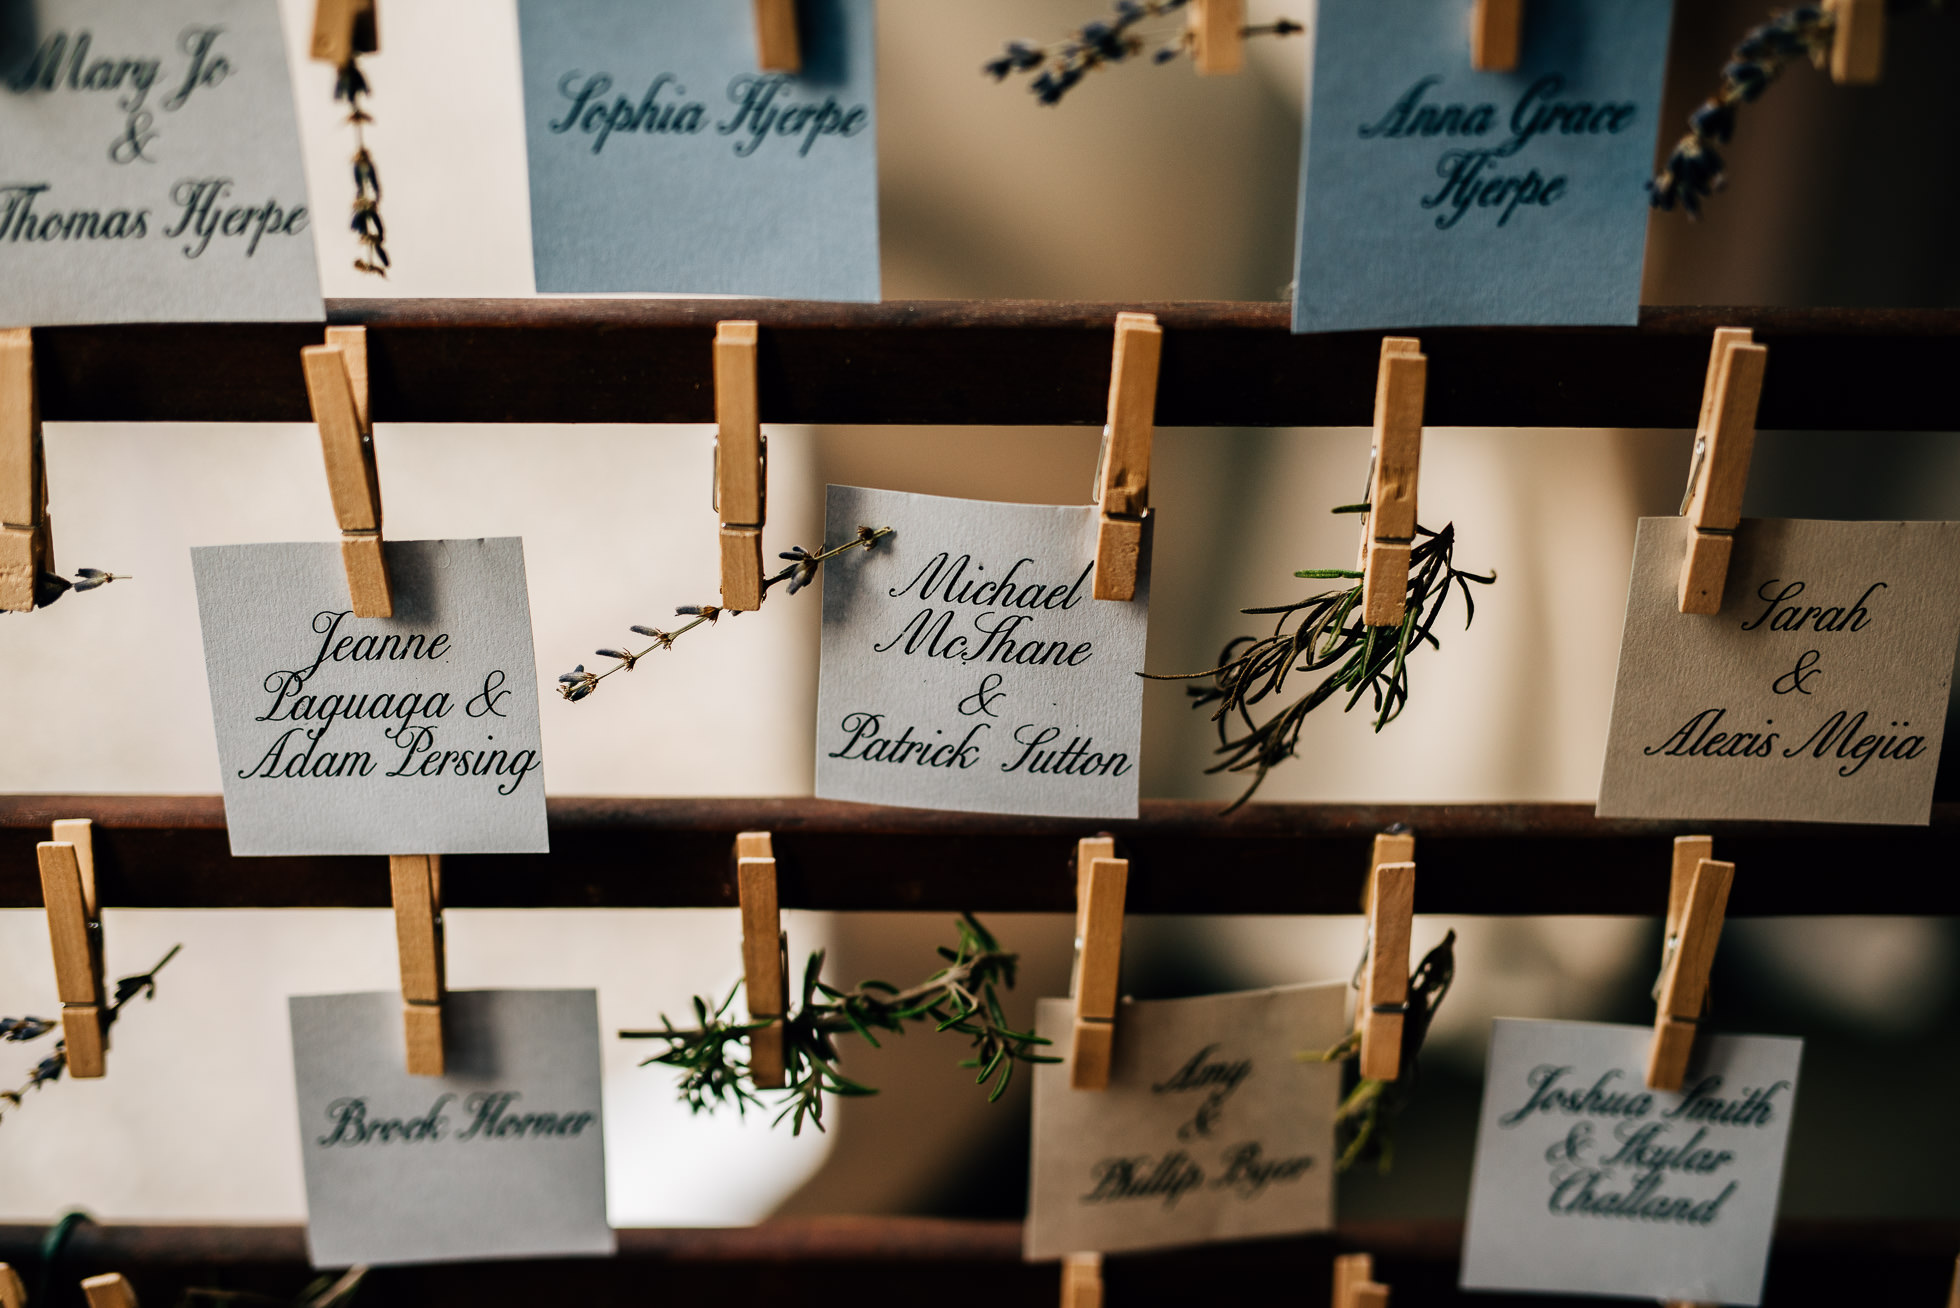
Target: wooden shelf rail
x,y
861,1261
1005,362
170,852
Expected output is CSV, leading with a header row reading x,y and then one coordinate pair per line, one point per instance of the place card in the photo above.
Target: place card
x,y
152,165
1432,195
416,734
1587,1182
1212,1127
663,160
965,664
502,1157
1817,694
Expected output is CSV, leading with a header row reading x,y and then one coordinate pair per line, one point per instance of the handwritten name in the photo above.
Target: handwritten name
x,y
1470,174
762,109
488,1111
65,63
1244,1170
1215,1079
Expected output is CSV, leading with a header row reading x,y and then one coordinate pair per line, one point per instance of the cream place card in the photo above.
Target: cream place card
x,y
502,1157
1587,1182
662,159
151,168
1817,694
1212,1127
967,666
416,734
1433,195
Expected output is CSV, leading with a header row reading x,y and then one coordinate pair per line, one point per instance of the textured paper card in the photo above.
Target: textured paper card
x,y
1817,694
1432,195
416,734
1211,1129
967,666
503,1157
1586,1182
663,161
150,170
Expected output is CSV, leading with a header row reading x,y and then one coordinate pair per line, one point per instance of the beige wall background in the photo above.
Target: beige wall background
x,y
1147,184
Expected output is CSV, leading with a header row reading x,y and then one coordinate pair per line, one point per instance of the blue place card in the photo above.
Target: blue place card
x,y
1432,195
664,161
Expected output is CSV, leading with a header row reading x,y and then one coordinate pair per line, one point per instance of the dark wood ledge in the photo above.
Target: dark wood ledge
x,y
160,851
871,1262
996,362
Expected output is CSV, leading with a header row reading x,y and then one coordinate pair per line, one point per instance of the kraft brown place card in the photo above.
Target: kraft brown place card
x,y
150,165
1817,694
502,1157
1587,1182
1212,1128
416,734
966,664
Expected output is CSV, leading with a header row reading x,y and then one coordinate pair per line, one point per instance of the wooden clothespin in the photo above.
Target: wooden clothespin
x,y
1218,35
1355,1285
1101,882
1698,897
12,1293
1724,439
26,545
343,29
1082,1281
1389,529
1384,980
416,880
762,954
1496,35
777,49
110,1291
1123,475
741,466
75,929
337,385
1858,45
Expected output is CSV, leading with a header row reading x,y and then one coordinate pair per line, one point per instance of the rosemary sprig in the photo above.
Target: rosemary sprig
x,y
1328,633
15,1030
1362,1124
1694,169
578,683
352,86
322,1292
961,997
50,586
1059,68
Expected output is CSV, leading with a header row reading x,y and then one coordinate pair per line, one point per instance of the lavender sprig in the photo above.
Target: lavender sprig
x,y
1695,169
1059,68
17,1030
351,86
50,586
802,570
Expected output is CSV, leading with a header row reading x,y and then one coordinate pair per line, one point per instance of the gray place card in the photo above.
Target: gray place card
x,y
416,734
502,1157
1212,1128
1817,694
150,169
965,664
1432,195
1586,1182
663,160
